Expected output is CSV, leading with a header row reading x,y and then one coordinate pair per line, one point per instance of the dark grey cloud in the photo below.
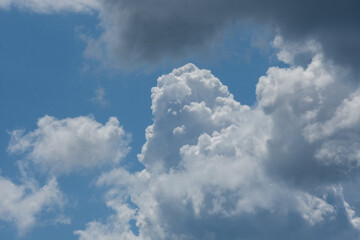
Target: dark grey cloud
x,y
334,24
148,31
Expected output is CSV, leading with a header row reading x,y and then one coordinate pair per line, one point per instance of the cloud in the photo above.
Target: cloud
x,y
185,99
49,6
99,97
138,33
143,32
117,228
298,101
56,147
217,169
20,204
62,146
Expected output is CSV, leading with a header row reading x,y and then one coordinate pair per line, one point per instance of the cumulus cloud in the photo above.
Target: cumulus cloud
x,y
214,168
61,146
20,204
56,147
117,227
217,169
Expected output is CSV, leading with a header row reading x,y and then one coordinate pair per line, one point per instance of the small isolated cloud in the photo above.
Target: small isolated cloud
x,y
62,146
20,204
217,169
138,33
99,97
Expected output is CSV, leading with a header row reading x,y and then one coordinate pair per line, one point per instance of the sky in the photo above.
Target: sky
x,y
179,119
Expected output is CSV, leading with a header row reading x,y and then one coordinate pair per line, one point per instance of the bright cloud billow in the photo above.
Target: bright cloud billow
x,y
216,169
62,146
285,168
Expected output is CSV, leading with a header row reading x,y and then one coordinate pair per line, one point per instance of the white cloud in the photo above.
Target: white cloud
x,y
241,172
21,204
354,220
117,227
296,53
99,97
179,130
61,146
5,3
140,33
215,169
51,6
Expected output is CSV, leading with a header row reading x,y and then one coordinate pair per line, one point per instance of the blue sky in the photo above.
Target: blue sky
x,y
273,154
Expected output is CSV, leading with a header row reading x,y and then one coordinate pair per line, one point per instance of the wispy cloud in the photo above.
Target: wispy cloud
x,y
99,98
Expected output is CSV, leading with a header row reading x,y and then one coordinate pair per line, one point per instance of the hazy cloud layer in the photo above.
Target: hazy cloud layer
x,y
62,146
216,169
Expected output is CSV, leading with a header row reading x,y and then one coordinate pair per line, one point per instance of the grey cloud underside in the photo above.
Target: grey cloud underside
x,y
286,168
143,30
